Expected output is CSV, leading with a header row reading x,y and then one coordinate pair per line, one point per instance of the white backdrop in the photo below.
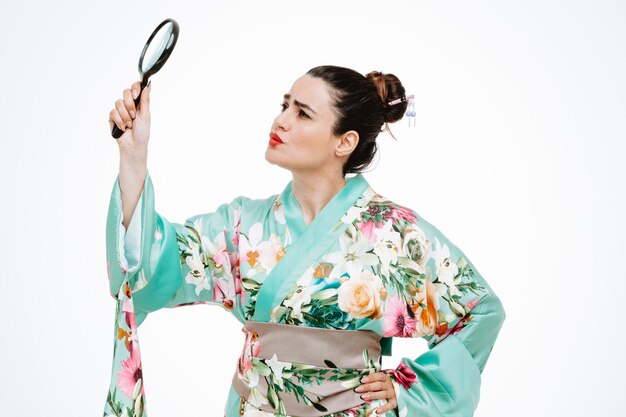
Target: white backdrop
x,y
518,157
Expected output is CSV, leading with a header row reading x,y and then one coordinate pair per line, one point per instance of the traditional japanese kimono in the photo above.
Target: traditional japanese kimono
x,y
365,268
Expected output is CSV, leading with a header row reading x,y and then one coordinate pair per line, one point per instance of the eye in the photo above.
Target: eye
x,y
302,113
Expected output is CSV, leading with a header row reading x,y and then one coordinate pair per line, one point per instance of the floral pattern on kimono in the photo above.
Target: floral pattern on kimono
x,y
367,263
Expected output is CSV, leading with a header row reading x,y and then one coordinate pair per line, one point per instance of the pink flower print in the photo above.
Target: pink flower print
x,y
236,274
367,229
396,321
461,324
221,257
217,250
472,303
251,348
445,331
130,373
129,313
225,289
403,375
224,292
234,259
404,213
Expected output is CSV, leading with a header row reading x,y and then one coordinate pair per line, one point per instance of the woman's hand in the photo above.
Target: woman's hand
x,y
378,385
134,122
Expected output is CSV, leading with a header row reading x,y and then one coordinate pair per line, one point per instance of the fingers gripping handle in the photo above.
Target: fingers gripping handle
x,y
117,132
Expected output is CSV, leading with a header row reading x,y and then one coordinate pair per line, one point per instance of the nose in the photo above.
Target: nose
x,y
281,122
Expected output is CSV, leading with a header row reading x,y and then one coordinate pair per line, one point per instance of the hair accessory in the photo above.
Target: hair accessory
x,y
411,113
400,100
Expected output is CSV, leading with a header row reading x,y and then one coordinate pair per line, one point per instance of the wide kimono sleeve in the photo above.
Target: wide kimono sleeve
x,y
451,306
171,264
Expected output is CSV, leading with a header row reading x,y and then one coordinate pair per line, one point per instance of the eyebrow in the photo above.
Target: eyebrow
x,y
302,105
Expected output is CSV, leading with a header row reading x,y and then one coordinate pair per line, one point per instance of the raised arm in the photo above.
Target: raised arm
x,y
173,264
165,264
133,144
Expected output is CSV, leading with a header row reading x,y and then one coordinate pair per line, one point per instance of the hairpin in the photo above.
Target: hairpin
x,y
400,100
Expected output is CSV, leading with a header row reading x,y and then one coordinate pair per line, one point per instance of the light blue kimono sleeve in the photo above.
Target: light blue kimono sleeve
x,y
172,264
445,380
130,240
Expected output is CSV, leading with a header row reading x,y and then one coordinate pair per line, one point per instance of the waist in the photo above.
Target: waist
x,y
304,371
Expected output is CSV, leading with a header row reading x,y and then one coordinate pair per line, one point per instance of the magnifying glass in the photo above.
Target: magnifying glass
x,y
157,50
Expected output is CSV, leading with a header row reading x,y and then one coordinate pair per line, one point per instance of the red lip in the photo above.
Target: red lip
x,y
275,140
275,137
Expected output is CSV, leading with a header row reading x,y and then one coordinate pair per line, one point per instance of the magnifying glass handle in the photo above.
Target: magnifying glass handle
x,y
117,132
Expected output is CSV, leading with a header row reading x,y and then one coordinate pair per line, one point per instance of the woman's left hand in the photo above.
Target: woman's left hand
x,y
378,385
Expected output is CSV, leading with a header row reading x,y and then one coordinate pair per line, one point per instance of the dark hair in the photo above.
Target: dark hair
x,y
360,103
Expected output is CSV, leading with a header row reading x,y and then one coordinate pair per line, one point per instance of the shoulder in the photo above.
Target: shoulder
x,y
248,205
418,238
255,206
425,257
380,210
231,213
404,219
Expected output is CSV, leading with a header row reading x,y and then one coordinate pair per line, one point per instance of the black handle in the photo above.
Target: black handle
x,y
117,132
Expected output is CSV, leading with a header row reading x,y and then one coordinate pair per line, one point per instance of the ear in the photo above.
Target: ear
x,y
347,143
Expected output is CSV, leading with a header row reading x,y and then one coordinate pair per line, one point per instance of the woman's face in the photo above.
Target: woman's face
x,y
303,125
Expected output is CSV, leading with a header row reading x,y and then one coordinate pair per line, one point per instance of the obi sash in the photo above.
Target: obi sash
x,y
304,371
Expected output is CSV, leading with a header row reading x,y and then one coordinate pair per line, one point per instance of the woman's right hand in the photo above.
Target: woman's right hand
x,y
134,122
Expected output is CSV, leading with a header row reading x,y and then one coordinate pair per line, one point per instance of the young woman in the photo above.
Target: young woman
x,y
322,275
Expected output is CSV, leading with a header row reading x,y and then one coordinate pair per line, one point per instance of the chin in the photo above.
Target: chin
x,y
268,156
277,161
271,158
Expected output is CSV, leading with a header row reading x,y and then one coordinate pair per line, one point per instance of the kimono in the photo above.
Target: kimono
x,y
363,263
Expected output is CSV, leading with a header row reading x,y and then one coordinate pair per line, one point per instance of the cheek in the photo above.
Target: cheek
x,y
317,141
314,150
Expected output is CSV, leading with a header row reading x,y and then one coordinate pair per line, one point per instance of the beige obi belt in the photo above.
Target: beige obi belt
x,y
304,371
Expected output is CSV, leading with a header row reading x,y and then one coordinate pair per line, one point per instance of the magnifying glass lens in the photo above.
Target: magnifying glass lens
x,y
157,47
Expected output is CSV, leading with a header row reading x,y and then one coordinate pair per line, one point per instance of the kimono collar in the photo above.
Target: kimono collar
x,y
309,243
337,206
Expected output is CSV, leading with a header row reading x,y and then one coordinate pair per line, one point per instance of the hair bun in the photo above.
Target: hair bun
x,y
389,88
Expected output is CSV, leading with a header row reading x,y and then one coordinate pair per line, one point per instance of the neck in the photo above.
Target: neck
x,y
314,191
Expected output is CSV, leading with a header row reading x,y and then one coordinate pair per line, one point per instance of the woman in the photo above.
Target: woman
x,y
328,266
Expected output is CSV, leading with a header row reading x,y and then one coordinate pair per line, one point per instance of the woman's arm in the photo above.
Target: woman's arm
x,y
132,175
168,264
459,315
133,144
446,380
